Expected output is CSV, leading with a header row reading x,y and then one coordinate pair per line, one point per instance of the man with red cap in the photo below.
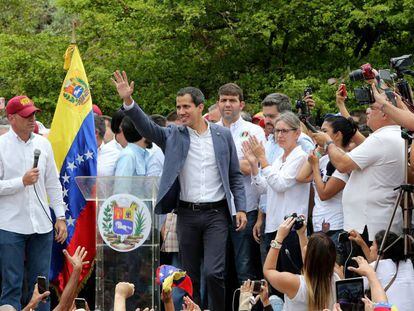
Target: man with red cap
x,y
29,184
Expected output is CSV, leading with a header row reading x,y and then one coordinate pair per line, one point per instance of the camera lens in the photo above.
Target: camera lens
x,y
356,75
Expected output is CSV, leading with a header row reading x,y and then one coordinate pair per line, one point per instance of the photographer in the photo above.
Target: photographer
x,y
315,288
377,167
400,113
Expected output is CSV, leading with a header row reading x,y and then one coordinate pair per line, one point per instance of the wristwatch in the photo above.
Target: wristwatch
x,y
327,145
61,218
275,244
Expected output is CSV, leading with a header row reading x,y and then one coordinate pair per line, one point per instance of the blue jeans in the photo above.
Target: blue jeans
x,y
15,249
244,246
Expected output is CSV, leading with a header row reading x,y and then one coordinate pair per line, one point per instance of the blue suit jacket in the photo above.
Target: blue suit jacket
x,y
175,143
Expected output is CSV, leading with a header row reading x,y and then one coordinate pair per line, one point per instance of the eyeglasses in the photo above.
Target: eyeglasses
x,y
283,131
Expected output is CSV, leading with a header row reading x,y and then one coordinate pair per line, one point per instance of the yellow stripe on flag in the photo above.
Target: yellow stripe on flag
x,y
73,106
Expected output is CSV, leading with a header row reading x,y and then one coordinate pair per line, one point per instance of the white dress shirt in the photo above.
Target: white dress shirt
x,y
107,156
240,131
284,194
20,209
369,195
200,179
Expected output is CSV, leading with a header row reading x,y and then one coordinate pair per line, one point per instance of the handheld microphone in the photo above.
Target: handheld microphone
x,y
36,158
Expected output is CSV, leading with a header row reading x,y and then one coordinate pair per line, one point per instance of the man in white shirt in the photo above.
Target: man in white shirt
x,y
231,104
377,168
27,189
108,153
104,154
201,178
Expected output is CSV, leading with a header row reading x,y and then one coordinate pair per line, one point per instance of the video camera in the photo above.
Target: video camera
x,y
299,220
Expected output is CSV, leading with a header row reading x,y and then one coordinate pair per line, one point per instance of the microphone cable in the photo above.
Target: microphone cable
x,y
41,204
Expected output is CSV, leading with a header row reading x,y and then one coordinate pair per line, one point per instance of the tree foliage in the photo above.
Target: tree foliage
x,y
264,46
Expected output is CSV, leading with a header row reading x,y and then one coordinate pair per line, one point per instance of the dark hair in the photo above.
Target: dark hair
x,y
100,126
116,121
395,252
196,95
172,116
159,120
130,132
318,268
231,89
346,126
281,101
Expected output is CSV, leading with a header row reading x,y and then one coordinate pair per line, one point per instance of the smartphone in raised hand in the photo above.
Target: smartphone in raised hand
x,y
41,284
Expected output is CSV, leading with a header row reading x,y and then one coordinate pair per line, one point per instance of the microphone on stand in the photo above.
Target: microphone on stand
x,y
36,158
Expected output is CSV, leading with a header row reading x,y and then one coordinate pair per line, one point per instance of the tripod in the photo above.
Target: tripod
x,y
406,196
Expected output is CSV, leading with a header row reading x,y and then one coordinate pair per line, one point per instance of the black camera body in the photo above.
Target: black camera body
x,y
364,95
402,62
301,104
299,221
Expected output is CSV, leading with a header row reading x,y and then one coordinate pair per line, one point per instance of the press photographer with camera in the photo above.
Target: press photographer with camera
x,y
376,167
285,195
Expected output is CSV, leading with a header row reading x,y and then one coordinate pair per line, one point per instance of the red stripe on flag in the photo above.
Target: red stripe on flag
x,y
84,236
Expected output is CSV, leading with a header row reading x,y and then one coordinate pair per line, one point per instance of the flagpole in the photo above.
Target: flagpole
x,y
74,25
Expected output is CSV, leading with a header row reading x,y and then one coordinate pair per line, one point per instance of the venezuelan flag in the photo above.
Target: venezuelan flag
x,y
72,136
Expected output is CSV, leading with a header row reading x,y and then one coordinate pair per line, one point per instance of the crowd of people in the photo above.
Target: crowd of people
x,y
261,194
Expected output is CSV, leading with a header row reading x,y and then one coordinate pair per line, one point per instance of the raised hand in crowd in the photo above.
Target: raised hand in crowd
x,y
123,290
124,88
36,299
357,238
309,101
166,298
69,293
364,269
190,305
399,114
246,291
264,294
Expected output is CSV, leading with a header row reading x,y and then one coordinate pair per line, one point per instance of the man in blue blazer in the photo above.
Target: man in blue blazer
x,y
201,179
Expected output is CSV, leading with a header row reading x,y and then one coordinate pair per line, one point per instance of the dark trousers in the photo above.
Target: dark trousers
x,y
246,250
14,249
203,234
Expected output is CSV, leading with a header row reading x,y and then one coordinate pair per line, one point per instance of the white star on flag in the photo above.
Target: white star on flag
x,y
65,192
70,221
65,178
79,158
89,155
71,165
66,206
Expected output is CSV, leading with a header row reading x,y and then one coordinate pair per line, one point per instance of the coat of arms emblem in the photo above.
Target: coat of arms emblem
x,y
124,222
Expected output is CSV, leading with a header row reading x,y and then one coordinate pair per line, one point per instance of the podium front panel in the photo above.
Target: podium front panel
x,y
127,236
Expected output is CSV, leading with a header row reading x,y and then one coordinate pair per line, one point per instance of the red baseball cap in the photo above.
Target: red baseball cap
x,y
96,110
22,105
